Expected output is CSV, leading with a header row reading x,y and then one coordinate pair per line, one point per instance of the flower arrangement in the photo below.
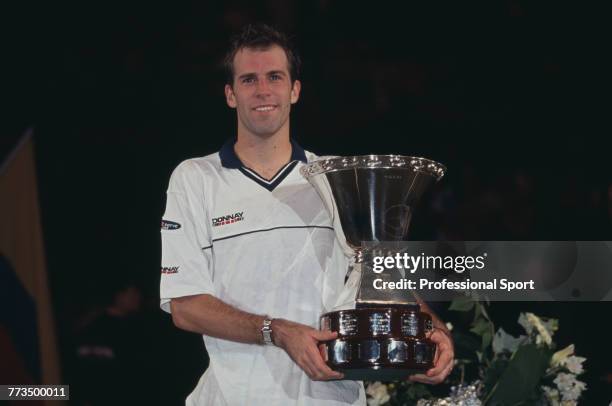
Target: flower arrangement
x,y
496,368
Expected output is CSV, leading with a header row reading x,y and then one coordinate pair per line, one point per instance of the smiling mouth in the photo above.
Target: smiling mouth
x,y
264,108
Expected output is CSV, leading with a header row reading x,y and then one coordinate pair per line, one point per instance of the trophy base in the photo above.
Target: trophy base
x,y
378,343
377,374
385,359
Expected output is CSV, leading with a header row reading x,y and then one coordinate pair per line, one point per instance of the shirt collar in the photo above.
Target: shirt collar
x,y
229,159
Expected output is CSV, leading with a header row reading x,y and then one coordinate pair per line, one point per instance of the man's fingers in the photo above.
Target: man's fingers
x,y
328,373
444,361
439,337
444,353
311,367
437,354
324,371
440,377
310,356
306,367
425,379
433,378
324,335
419,378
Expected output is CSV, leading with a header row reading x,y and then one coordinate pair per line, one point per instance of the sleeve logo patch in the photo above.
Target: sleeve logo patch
x,y
169,269
169,225
228,219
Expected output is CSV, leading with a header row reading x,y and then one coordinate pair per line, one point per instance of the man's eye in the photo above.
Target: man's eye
x,y
248,80
275,77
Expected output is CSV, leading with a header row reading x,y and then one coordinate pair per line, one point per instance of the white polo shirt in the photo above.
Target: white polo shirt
x,y
265,247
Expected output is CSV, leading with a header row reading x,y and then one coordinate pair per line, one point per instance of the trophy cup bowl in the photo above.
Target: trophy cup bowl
x,y
381,335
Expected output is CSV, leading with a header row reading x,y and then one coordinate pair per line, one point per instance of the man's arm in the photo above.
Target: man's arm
x,y
445,351
205,314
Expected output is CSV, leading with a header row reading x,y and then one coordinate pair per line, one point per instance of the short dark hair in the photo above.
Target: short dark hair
x,y
261,37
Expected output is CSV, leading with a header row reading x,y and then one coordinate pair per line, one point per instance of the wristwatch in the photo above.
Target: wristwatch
x,y
266,331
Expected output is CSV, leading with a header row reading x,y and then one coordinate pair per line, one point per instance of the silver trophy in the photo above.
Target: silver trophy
x,y
382,335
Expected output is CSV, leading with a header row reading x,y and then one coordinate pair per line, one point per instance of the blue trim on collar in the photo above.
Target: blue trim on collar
x,y
271,186
297,152
229,159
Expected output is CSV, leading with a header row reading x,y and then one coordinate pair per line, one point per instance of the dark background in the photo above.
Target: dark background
x,y
119,94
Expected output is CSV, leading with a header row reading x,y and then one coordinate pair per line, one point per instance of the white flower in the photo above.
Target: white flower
x,y
378,394
545,330
566,358
574,364
569,386
551,394
564,381
575,392
560,356
503,341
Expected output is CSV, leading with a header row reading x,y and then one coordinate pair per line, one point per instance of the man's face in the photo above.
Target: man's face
x,y
262,93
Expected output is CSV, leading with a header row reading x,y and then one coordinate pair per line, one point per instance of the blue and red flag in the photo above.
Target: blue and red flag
x,y
28,348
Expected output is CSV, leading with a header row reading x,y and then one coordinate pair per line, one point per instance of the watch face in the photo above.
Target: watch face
x,y
266,332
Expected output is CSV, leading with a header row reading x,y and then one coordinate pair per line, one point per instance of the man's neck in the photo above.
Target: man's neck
x,y
266,156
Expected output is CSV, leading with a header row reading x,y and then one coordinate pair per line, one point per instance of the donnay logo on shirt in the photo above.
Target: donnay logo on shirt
x,y
169,269
228,219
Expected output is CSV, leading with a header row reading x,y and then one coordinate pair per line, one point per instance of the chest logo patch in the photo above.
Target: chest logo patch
x,y
228,219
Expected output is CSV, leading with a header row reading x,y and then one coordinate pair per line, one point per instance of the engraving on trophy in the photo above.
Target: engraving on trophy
x,y
348,324
397,351
369,350
420,353
342,352
410,324
380,323
325,323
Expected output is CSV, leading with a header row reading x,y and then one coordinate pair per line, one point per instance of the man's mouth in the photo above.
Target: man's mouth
x,y
265,107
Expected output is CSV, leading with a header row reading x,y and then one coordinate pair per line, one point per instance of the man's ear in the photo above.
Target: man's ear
x,y
295,91
230,97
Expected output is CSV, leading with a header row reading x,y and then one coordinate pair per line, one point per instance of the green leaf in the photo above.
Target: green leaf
x,y
521,378
486,339
417,391
478,308
493,373
461,304
465,344
484,312
481,326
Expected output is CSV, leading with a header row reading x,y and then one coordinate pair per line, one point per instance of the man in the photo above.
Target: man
x,y
249,255
109,350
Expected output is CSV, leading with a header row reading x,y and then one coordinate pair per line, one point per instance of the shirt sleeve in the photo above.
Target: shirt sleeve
x,y
186,261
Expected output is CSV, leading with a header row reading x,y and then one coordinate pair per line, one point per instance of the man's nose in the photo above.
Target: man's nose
x,y
263,87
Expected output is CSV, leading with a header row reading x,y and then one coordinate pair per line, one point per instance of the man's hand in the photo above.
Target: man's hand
x,y
443,360
301,343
